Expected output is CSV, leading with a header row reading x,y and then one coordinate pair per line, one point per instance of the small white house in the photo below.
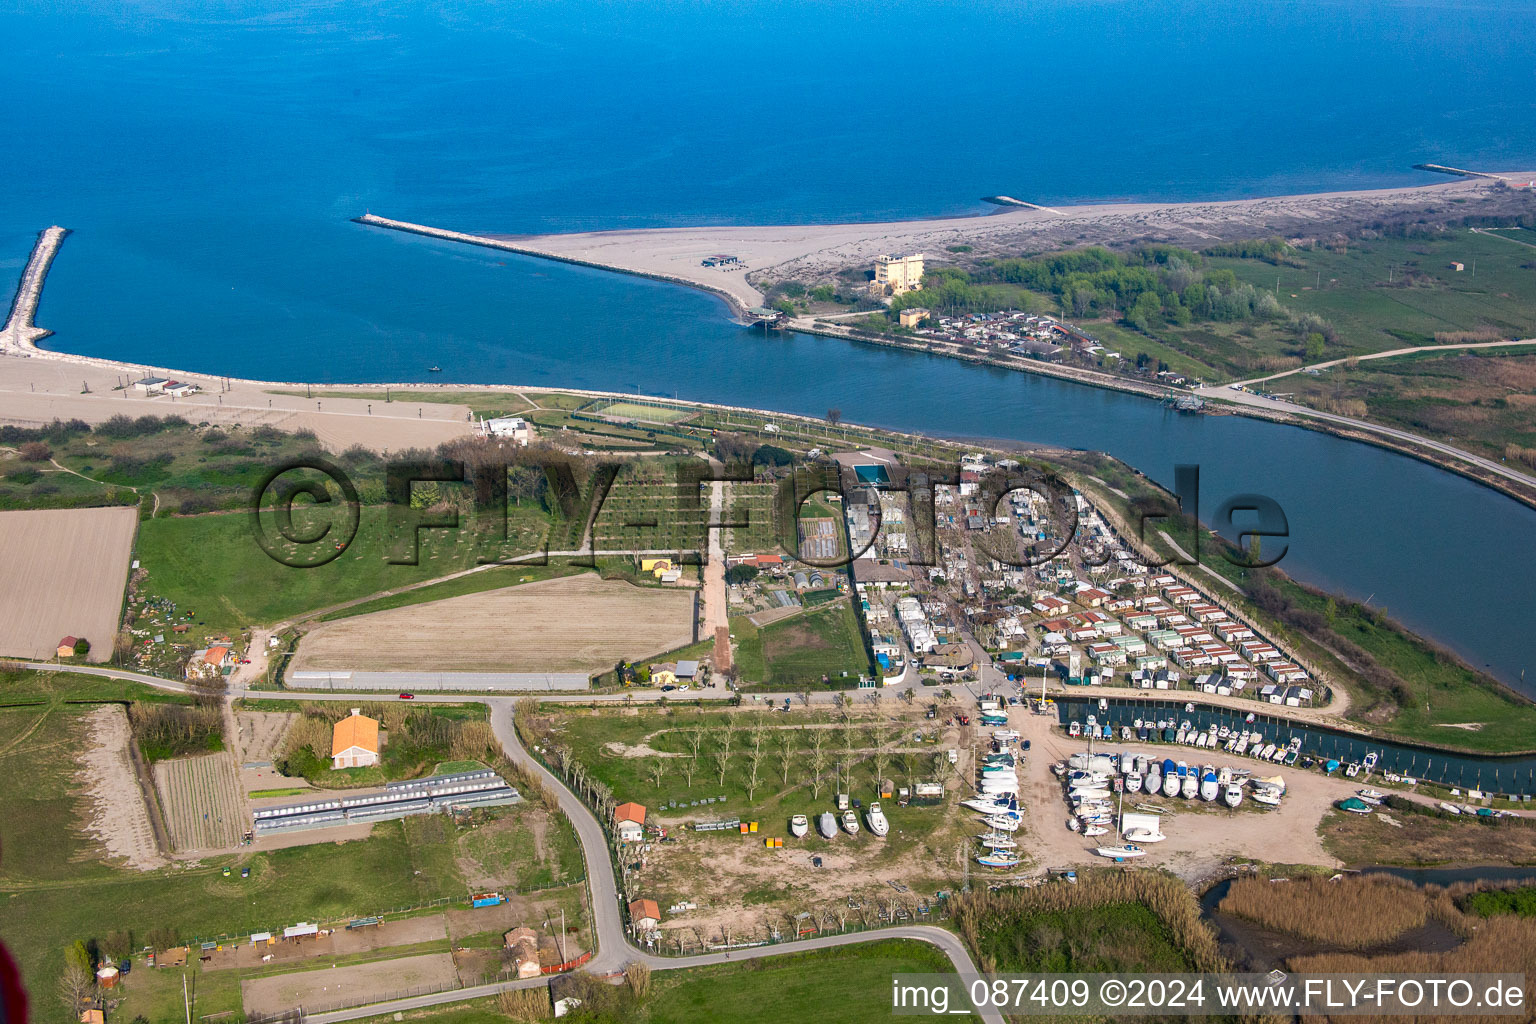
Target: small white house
x,y
510,428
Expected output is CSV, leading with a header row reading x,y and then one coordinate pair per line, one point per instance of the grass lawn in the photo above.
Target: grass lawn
x,y
65,896
494,578
1481,399
848,984
18,688
211,565
55,890
1390,292
856,980
797,652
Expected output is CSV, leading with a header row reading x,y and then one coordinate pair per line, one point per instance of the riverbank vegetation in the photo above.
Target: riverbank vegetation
x,y
1399,835
1481,400
1109,921
1354,912
1504,943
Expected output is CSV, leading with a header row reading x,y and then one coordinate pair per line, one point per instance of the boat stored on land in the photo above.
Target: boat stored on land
x,y
875,818
799,826
998,860
850,822
827,825
1126,852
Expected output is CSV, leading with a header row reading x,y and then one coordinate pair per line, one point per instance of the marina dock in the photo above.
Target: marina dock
x,y
21,333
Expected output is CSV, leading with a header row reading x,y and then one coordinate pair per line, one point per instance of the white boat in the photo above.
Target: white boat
x,y
799,826
1369,764
1370,796
996,841
1232,795
1073,825
1153,782
1133,782
1095,830
850,822
1241,746
1179,736
1170,784
1266,796
875,819
1005,734
1089,794
1449,808
1074,730
1209,788
987,805
1189,786
826,825
1142,835
1121,852
998,860
1002,822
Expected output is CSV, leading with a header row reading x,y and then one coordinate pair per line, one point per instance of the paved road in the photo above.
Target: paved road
x,y
1371,355
944,940
1230,393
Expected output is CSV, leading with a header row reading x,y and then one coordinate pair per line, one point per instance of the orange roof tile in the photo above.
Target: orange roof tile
x,y
355,731
629,812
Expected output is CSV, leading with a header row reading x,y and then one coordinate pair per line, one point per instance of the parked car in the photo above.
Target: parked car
x,y
668,688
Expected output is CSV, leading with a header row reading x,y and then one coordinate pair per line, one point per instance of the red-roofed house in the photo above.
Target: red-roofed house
x,y
644,915
629,822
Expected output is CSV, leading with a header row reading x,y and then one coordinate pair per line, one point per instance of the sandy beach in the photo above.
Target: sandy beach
x,y
808,251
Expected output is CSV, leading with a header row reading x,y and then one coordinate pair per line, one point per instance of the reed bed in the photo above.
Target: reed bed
x,y
1500,944
978,913
1354,912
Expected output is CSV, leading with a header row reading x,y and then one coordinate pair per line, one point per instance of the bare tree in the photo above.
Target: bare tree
x,y
656,770
884,742
754,760
784,739
818,761
74,986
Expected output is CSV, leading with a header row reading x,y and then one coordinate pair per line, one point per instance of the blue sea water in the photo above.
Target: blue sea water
x,y
209,157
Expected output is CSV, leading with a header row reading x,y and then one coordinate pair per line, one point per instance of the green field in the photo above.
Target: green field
x,y
494,578
212,565
602,741
640,412
855,979
1481,399
799,651
1391,292
55,893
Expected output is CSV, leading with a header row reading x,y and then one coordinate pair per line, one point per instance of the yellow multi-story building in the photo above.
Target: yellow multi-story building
x,y
896,275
